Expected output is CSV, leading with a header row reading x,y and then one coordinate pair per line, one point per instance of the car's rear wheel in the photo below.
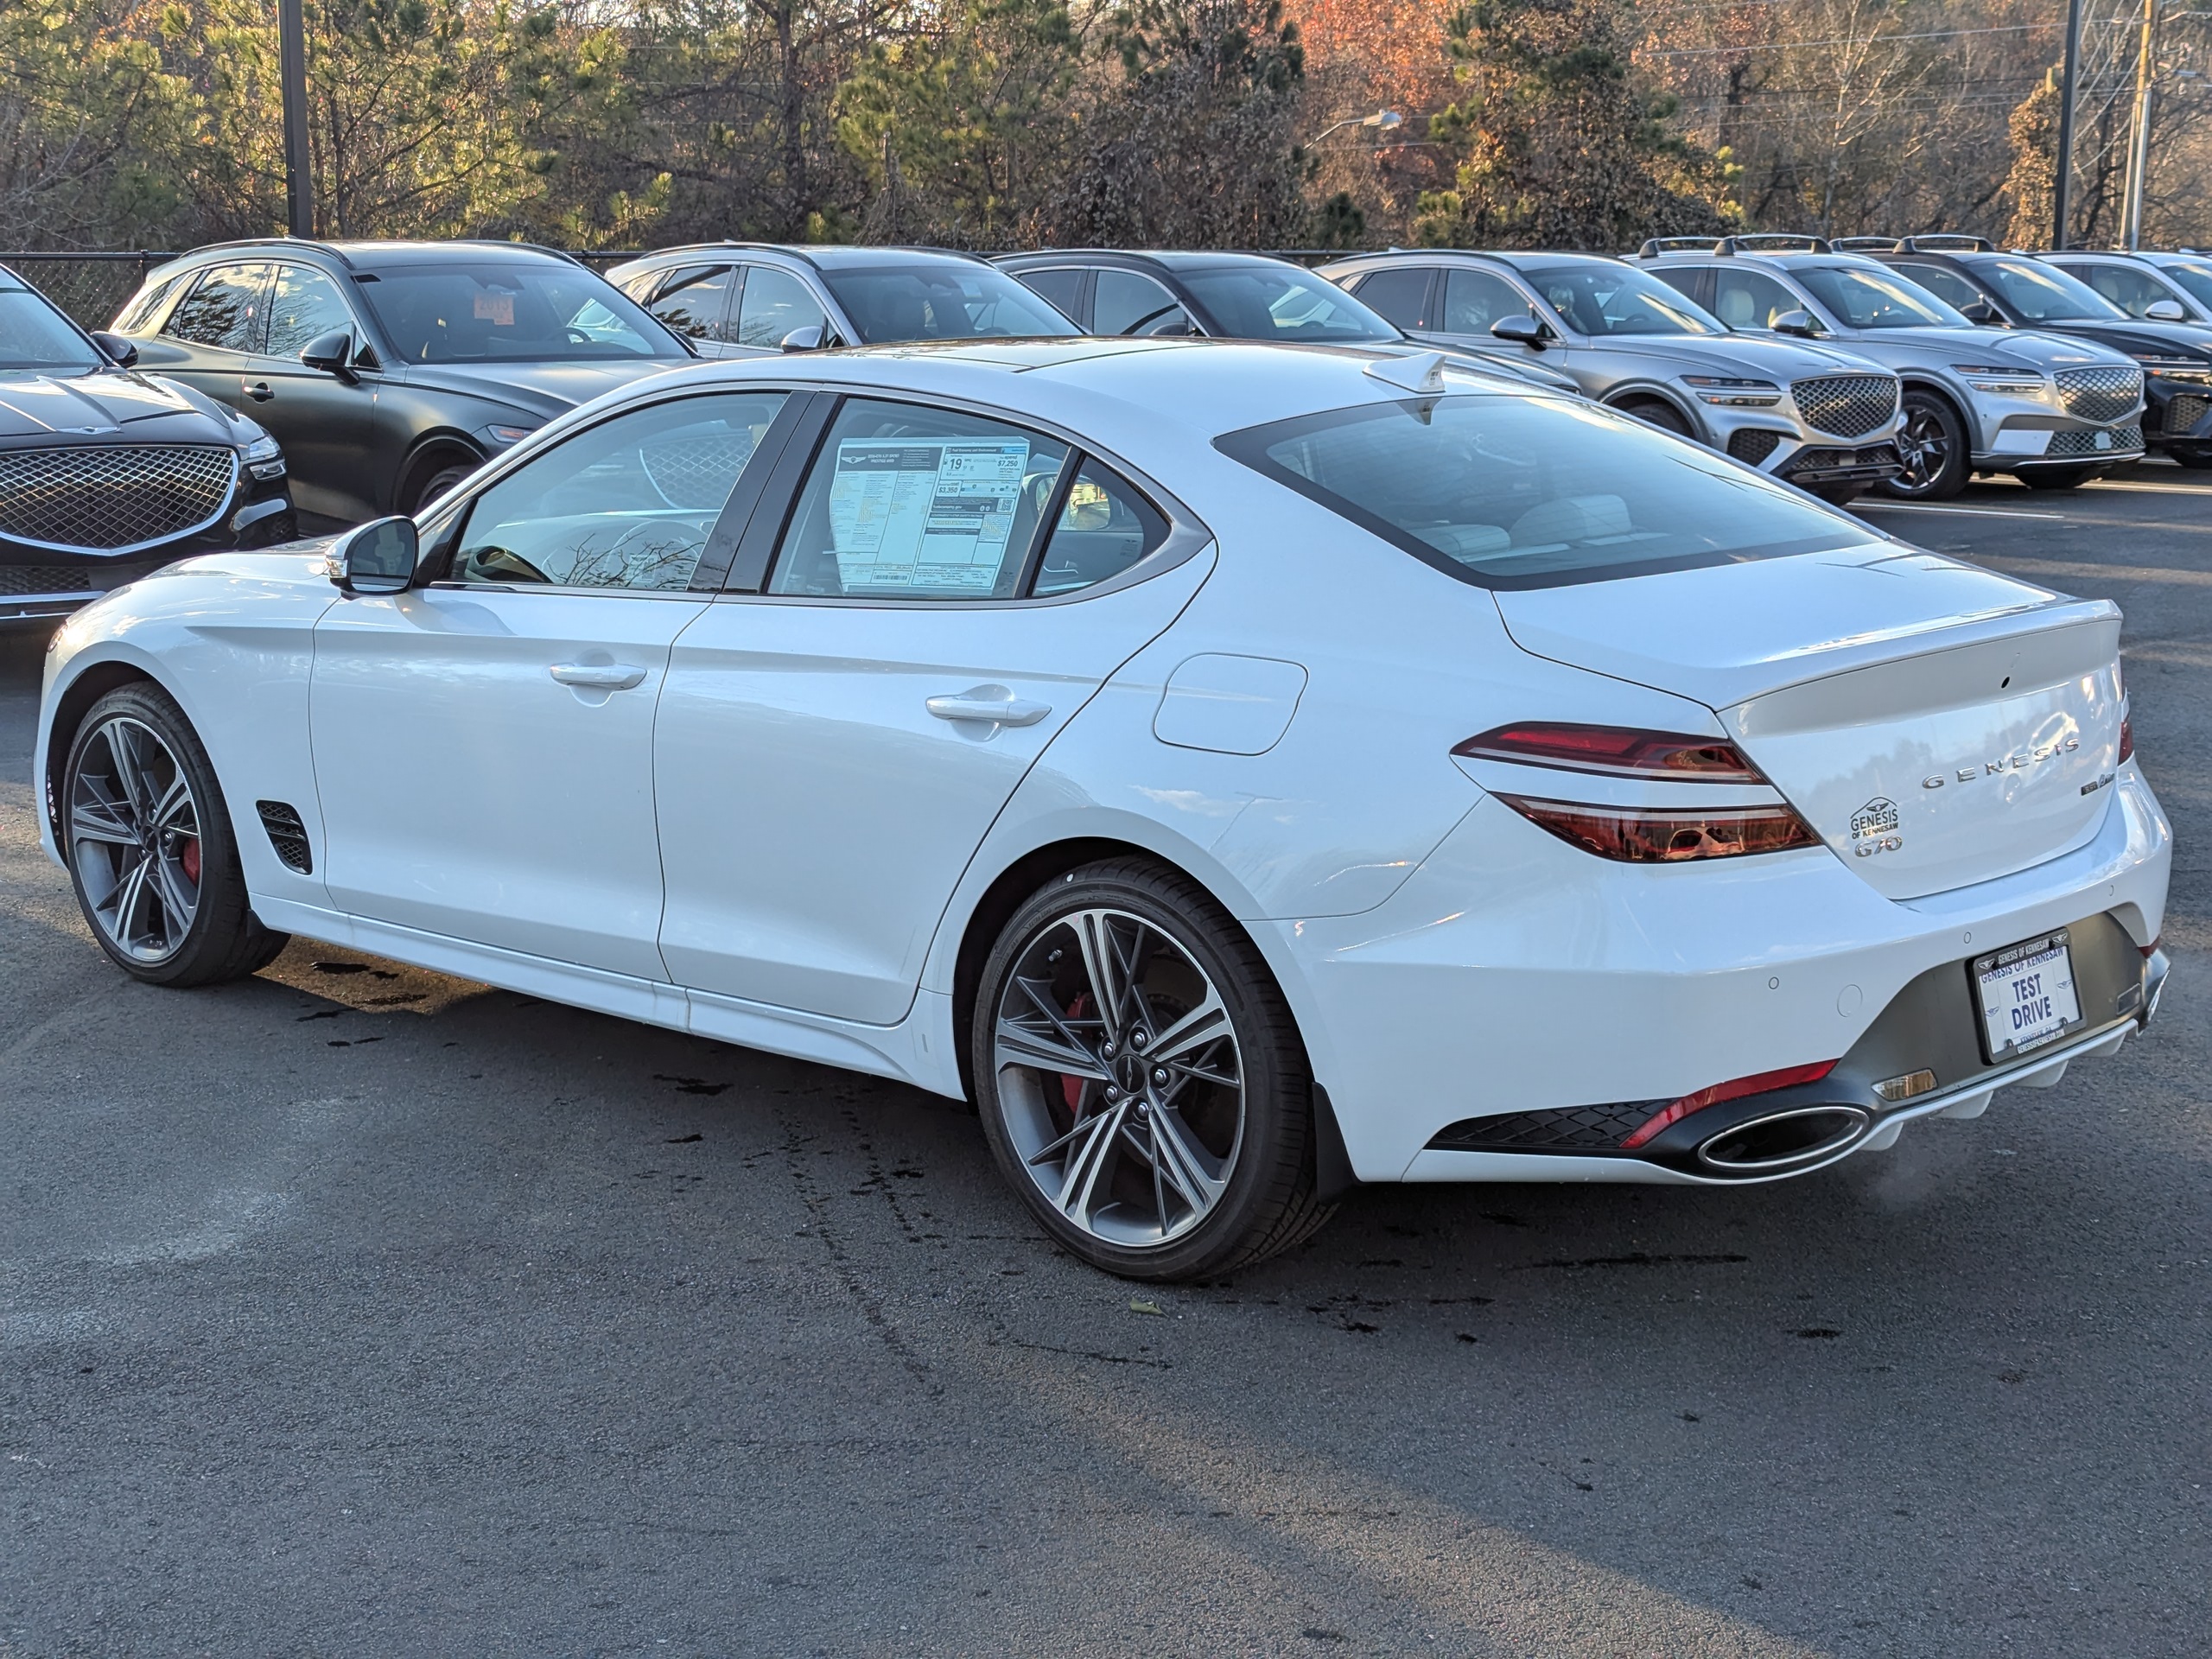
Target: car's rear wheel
x,y
1139,1077
1932,444
150,851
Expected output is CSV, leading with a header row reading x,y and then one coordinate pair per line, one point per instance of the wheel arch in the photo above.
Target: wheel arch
x,y
439,447
85,688
1623,400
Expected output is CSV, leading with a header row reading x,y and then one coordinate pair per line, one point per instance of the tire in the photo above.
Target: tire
x,y
1837,495
1932,442
1654,411
437,484
169,905
1197,1166
2196,461
2059,478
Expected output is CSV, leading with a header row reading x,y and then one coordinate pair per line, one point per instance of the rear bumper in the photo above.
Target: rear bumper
x,y
1513,976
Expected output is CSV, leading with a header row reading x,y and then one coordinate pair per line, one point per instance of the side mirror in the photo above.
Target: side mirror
x,y
1798,322
332,353
2165,311
1523,331
121,349
377,557
807,339
1982,313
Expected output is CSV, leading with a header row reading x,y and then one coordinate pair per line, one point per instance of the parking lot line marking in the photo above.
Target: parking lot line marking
x,y
2151,489
2102,572
1972,512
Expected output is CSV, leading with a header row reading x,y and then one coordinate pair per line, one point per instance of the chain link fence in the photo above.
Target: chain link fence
x,y
92,287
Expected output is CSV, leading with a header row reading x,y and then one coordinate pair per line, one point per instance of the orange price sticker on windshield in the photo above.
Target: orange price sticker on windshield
x,y
497,309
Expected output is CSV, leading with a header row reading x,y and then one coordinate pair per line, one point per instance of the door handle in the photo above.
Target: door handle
x,y
258,390
597,677
991,705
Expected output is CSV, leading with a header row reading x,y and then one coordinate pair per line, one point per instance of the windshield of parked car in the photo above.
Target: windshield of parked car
x,y
1535,491
2195,276
509,312
2045,293
948,302
1615,300
1872,298
1280,302
34,335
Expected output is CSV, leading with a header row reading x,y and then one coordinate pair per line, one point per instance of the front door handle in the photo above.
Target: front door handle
x,y
258,390
990,705
597,677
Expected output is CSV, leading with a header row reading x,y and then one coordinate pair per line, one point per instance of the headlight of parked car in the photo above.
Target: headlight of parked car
x,y
1736,394
2004,378
2176,370
263,457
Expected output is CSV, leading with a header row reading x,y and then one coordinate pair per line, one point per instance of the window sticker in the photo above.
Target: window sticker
x,y
929,514
496,308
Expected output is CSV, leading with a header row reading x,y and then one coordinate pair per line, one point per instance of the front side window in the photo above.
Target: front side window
x,y
1281,301
1601,300
1878,299
774,305
1473,300
2132,290
1751,299
1534,493
906,502
953,301
303,306
1945,285
692,302
2045,293
1129,303
2196,276
34,335
223,310
628,503
510,312
1401,295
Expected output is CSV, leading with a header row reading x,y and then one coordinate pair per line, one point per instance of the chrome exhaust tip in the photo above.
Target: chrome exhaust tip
x,y
1783,1141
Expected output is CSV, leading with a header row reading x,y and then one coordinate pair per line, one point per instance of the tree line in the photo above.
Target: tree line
x,y
994,123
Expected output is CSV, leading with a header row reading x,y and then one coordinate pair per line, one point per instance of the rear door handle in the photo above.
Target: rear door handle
x,y
258,390
598,677
990,705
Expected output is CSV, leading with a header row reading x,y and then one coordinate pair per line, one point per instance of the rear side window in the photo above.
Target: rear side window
x,y
1401,295
1103,528
694,302
1529,493
1061,285
224,311
141,311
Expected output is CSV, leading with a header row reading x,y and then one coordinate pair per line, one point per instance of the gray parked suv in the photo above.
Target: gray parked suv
x,y
1818,417
2051,411
2156,287
745,299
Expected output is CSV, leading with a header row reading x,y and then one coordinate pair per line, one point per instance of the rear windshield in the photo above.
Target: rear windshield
x,y
947,301
1536,492
2043,293
509,312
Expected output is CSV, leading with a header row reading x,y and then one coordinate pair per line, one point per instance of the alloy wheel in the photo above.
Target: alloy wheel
x,y
1925,449
134,839
1120,1077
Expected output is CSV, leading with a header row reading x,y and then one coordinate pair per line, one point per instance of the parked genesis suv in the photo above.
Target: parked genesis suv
x,y
2018,291
106,474
1818,417
751,299
2053,412
390,371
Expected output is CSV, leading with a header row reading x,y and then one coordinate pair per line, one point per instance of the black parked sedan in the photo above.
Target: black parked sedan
x,y
390,371
106,475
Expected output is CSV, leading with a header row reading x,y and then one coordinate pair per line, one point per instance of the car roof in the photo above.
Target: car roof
x,y
822,256
1171,259
1518,259
1787,259
360,255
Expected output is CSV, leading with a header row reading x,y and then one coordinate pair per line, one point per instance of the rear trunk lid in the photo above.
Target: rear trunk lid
x,y
1935,723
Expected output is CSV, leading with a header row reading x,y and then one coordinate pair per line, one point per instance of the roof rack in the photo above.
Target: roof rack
x,y
337,253
1865,244
1728,247
1945,242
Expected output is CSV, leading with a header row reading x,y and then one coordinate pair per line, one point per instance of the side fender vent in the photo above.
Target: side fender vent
x,y
287,835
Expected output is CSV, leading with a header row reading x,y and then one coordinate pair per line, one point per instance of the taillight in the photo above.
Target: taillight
x,y
1638,835
1616,750
1758,1084
2126,738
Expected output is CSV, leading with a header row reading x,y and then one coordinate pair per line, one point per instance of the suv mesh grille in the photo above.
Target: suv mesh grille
x,y
18,581
1751,446
2183,412
2099,394
1848,405
2119,440
112,496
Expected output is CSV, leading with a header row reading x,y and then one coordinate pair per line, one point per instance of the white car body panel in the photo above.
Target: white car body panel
x,y
1273,714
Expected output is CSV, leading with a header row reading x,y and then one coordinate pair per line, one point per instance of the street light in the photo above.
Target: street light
x,y
1381,121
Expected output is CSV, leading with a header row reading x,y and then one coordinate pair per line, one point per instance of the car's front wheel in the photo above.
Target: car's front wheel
x,y
1139,1077
1932,444
150,851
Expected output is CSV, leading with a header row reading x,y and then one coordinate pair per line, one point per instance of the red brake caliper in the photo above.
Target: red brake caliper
x,y
190,859
1071,1088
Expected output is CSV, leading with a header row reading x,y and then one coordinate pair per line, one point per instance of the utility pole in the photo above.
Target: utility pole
x,y
2139,149
292,65
2063,185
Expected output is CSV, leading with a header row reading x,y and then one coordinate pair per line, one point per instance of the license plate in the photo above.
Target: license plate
x,y
2027,996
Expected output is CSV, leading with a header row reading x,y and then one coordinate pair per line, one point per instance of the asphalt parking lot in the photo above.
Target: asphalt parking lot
x,y
357,1310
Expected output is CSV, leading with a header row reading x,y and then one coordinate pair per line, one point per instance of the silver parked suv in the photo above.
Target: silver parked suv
x,y
2052,411
1821,417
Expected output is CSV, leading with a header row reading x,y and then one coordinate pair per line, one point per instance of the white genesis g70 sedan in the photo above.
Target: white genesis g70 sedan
x,y
1243,771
